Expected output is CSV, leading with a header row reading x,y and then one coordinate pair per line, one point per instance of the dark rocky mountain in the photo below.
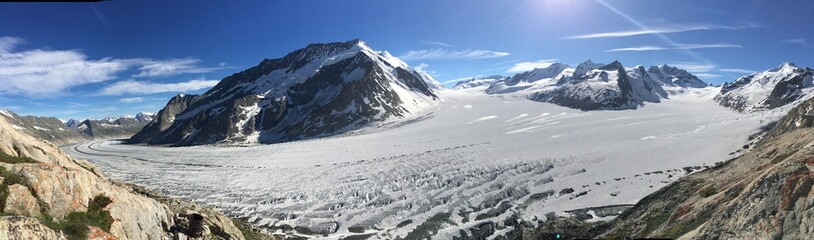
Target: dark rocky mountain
x,y
675,77
770,89
593,86
319,90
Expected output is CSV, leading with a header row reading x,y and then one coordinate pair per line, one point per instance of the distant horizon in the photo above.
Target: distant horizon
x,y
96,60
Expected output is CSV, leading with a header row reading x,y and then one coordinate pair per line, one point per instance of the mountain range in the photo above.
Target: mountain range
x,y
72,131
592,86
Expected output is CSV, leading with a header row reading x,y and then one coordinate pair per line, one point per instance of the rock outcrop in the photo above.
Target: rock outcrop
x,y
44,189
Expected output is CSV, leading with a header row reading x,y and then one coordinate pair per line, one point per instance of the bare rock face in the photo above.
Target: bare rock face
x,y
58,185
18,227
21,202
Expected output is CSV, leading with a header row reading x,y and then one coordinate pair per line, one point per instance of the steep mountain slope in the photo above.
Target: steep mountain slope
x,y
593,86
765,193
72,131
122,127
320,90
770,89
47,128
45,195
675,77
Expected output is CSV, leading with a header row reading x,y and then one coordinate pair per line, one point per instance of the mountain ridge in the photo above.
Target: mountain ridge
x,y
320,90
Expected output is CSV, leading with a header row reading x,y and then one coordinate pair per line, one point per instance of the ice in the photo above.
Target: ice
x,y
439,168
481,119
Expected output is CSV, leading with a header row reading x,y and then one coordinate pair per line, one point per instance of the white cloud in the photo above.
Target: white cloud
x,y
41,73
706,75
699,46
699,69
132,100
443,44
438,54
672,28
423,69
695,67
139,87
528,66
636,49
736,70
171,67
8,43
676,47
801,41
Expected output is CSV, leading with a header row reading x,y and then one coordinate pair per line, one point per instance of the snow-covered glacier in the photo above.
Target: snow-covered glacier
x,y
475,160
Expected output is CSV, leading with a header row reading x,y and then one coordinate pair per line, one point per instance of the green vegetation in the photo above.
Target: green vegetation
x,y
619,234
654,222
247,232
12,159
783,156
680,228
708,191
75,225
10,178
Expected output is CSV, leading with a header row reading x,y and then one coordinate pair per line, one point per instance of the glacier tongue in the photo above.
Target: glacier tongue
x,y
477,159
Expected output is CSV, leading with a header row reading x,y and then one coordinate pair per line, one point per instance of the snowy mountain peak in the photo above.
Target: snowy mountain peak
x,y
615,65
320,90
785,67
773,88
585,67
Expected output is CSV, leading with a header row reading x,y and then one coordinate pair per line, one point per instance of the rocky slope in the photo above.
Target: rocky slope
x,y
320,90
122,127
73,131
47,128
46,195
765,193
769,89
593,86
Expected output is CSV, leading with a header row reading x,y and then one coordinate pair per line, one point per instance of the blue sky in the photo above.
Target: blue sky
x,y
91,60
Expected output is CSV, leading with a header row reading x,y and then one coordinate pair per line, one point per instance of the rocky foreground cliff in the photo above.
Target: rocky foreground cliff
x,y
47,195
765,193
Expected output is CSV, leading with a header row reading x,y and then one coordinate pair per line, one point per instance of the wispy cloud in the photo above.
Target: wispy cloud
x,y
42,73
699,69
736,70
801,41
443,44
172,67
46,73
671,28
132,100
423,68
439,54
637,49
676,47
528,66
141,87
